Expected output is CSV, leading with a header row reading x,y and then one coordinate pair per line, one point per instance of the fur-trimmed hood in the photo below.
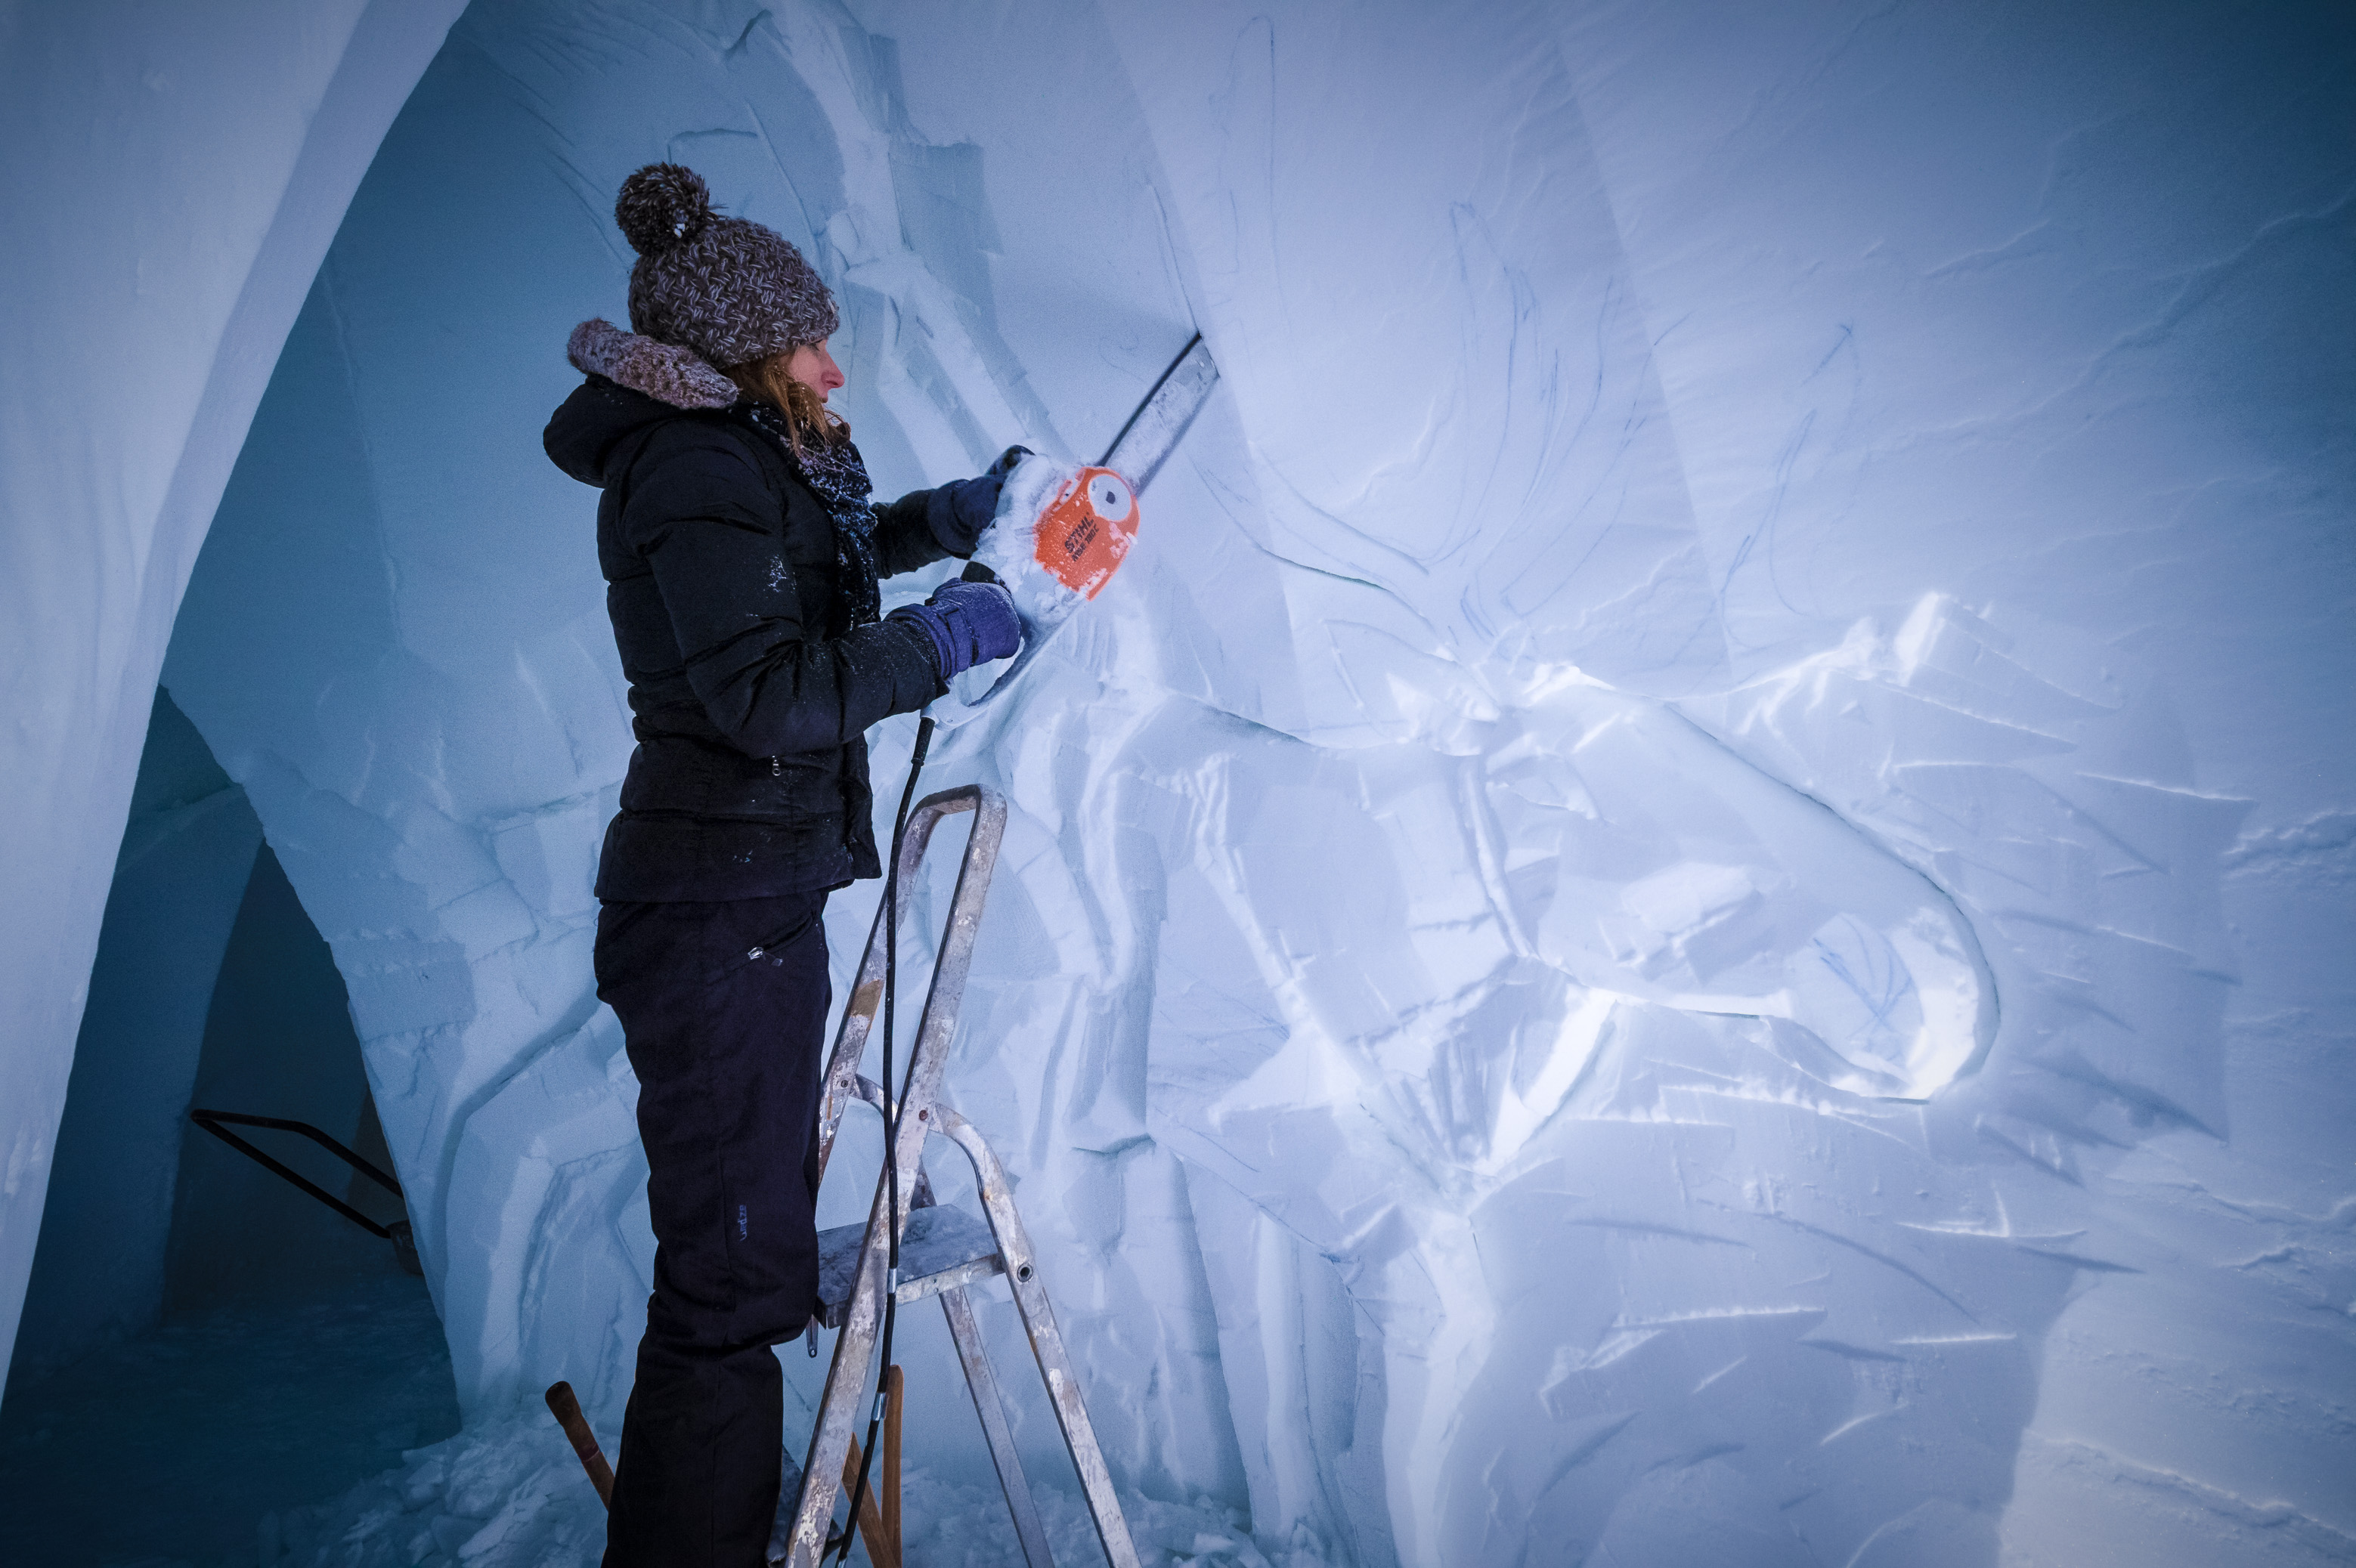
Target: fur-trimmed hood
x,y
663,371
635,384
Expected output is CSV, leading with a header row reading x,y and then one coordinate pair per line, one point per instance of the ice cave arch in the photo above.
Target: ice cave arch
x,y
1497,987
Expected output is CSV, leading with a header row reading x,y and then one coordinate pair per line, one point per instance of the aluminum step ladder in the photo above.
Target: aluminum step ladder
x,y
942,1250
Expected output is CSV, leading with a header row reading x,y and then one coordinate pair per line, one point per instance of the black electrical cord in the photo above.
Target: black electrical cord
x,y
842,1543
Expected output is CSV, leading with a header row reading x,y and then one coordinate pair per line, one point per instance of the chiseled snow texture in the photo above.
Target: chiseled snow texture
x,y
1689,905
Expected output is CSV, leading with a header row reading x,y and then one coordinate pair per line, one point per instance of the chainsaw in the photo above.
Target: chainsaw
x,y
1063,529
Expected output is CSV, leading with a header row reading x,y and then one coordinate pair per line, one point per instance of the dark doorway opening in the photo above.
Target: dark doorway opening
x,y
204,1345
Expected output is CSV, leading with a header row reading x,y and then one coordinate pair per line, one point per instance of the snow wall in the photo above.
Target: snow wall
x,y
1690,902
172,177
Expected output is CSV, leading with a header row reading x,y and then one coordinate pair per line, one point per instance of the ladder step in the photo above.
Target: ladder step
x,y
941,1248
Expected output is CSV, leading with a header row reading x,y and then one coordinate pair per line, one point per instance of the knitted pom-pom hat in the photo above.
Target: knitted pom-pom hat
x,y
728,289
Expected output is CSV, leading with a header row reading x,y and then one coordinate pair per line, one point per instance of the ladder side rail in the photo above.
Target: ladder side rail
x,y
873,1093
982,1382
859,1015
835,1090
847,1374
1046,1340
936,1031
846,1386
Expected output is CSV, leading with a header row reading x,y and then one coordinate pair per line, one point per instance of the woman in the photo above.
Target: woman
x,y
740,556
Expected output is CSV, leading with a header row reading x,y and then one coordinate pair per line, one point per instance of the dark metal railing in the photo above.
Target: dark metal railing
x,y
403,1245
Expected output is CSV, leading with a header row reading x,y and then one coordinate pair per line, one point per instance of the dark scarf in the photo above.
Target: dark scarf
x,y
837,475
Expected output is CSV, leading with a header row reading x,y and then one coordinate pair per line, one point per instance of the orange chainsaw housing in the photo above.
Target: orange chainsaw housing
x,y
1086,529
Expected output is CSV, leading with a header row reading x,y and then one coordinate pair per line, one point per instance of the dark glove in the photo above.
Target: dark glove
x,y
968,623
975,501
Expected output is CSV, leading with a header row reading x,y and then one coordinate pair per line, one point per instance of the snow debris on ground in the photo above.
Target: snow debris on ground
x,y
509,1494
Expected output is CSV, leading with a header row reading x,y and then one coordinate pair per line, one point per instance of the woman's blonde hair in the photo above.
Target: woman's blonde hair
x,y
807,416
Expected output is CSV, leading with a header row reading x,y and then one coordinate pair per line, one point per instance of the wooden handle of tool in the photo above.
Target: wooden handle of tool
x,y
871,1518
567,1410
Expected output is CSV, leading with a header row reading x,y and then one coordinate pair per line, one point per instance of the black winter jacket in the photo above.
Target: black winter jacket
x,y
750,708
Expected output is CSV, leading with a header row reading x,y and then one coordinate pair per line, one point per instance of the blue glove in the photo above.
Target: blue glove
x,y
974,502
968,623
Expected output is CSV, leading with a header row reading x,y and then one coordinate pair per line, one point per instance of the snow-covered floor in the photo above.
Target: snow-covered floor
x,y
511,1495
318,1433
188,1445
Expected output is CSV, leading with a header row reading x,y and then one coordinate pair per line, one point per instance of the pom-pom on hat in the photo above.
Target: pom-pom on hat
x,y
726,288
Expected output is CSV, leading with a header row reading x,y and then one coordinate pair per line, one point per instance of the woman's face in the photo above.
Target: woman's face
x,y
814,367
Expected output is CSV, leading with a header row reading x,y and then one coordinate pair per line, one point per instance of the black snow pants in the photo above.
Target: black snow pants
x,y
724,1010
